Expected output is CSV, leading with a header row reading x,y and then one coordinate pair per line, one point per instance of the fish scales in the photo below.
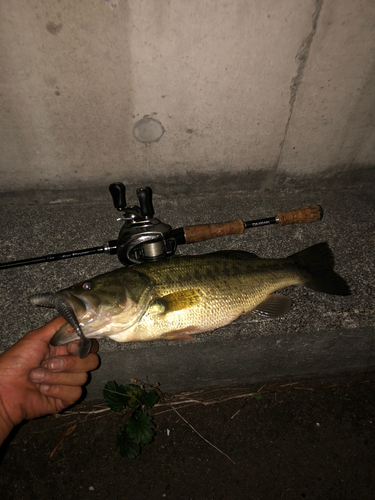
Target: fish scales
x,y
227,288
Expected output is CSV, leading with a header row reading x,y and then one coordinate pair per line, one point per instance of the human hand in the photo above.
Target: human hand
x,y
37,379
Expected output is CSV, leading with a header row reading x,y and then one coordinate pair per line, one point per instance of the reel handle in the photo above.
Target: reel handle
x,y
145,202
117,190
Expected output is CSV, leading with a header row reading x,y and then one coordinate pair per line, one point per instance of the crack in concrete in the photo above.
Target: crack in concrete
x,y
302,56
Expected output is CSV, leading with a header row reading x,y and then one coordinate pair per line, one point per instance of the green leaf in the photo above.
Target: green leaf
x,y
135,394
140,428
150,398
125,445
258,396
115,396
255,388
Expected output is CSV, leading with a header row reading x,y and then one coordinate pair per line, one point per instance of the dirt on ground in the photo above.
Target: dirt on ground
x,y
311,439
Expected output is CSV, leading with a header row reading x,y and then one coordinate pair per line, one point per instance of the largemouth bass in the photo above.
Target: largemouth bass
x,y
177,297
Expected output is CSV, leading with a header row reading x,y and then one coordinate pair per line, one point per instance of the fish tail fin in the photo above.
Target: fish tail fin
x,y
318,261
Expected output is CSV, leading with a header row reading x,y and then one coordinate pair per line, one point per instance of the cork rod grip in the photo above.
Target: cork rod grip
x,y
203,232
307,214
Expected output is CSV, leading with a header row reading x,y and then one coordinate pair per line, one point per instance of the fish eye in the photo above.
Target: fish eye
x,y
87,285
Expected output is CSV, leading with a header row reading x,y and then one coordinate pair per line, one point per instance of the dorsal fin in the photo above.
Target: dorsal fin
x,y
236,254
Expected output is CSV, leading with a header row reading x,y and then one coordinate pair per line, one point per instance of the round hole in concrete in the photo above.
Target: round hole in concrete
x,y
148,130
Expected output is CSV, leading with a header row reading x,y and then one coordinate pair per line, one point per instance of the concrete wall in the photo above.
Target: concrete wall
x,y
274,85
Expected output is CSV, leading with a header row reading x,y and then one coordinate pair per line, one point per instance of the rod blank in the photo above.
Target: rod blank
x,y
52,257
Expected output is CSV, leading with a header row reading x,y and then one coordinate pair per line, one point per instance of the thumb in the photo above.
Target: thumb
x,y
47,331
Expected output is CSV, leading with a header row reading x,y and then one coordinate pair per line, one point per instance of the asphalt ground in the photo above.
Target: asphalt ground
x,y
308,439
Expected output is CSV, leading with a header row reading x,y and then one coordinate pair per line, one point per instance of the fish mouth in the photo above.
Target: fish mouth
x,y
79,305
92,318
67,311
87,310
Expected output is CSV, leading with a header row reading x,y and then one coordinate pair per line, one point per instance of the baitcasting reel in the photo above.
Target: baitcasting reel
x,y
142,237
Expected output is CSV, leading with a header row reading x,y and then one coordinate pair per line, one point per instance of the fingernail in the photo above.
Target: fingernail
x,y
44,388
72,348
55,364
37,375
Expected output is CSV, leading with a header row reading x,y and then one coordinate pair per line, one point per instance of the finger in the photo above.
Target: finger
x,y
43,376
67,394
72,363
72,347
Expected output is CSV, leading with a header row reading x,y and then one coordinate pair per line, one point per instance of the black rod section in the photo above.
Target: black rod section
x,y
58,256
261,222
179,235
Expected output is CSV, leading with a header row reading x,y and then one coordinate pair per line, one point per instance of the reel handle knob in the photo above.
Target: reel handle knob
x,y
145,202
117,190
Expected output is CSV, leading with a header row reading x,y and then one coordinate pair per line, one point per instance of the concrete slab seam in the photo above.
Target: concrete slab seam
x,y
302,56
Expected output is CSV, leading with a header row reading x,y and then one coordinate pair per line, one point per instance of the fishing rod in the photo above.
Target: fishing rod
x,y
144,238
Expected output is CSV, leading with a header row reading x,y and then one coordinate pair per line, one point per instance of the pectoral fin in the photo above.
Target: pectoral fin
x,y
175,301
273,307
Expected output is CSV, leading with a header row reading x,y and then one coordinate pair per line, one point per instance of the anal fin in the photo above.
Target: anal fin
x,y
273,307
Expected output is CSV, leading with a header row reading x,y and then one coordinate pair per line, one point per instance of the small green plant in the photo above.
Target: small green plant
x,y
139,428
255,389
